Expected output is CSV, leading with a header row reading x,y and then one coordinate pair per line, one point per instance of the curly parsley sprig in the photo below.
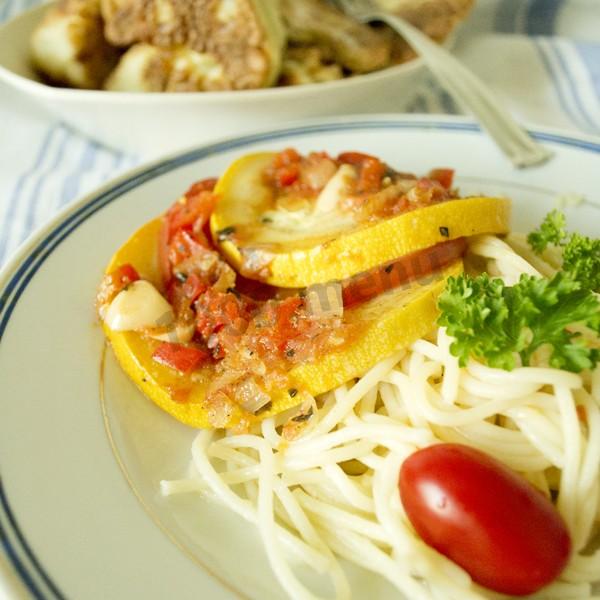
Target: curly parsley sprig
x,y
551,231
496,323
581,254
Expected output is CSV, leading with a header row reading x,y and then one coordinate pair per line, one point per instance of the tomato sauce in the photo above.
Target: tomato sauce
x,y
248,333
377,191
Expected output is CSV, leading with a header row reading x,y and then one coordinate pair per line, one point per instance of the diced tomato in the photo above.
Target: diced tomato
x,y
204,185
371,174
286,157
223,314
182,246
286,310
196,204
284,170
288,175
400,206
299,176
115,281
191,214
180,301
286,327
427,191
355,158
443,176
124,275
193,286
182,358
275,325
371,170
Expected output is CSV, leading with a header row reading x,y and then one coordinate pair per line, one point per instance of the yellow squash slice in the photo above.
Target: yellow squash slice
x,y
297,249
385,324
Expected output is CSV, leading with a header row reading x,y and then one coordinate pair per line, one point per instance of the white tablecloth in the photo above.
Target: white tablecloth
x,y
541,57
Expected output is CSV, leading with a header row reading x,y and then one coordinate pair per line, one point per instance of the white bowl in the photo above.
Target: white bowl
x,y
154,123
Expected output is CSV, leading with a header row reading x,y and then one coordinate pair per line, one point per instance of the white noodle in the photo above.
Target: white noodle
x,y
350,491
529,418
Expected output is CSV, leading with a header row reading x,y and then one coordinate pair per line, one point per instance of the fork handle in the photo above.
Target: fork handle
x,y
471,94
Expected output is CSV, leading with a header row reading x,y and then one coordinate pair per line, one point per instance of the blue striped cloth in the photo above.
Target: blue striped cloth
x,y
542,58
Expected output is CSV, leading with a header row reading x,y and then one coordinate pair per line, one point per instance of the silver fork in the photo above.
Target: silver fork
x,y
467,89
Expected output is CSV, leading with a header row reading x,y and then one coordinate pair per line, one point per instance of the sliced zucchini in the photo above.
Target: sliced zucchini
x,y
317,242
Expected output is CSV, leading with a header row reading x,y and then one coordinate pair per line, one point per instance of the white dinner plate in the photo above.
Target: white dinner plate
x,y
81,516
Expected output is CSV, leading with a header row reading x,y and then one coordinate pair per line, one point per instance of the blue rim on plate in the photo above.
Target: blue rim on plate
x,y
22,268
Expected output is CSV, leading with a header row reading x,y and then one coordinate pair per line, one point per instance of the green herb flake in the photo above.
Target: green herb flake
x,y
225,233
303,416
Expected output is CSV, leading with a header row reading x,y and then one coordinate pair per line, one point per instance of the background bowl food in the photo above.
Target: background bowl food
x,y
153,123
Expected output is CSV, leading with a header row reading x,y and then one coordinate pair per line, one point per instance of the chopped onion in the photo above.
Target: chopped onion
x,y
335,190
250,397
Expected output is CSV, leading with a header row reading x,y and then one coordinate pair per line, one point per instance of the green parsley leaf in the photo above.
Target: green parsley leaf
x,y
551,231
581,254
581,259
494,322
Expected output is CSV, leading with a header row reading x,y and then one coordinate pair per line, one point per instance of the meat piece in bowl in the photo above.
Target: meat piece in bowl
x,y
246,37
